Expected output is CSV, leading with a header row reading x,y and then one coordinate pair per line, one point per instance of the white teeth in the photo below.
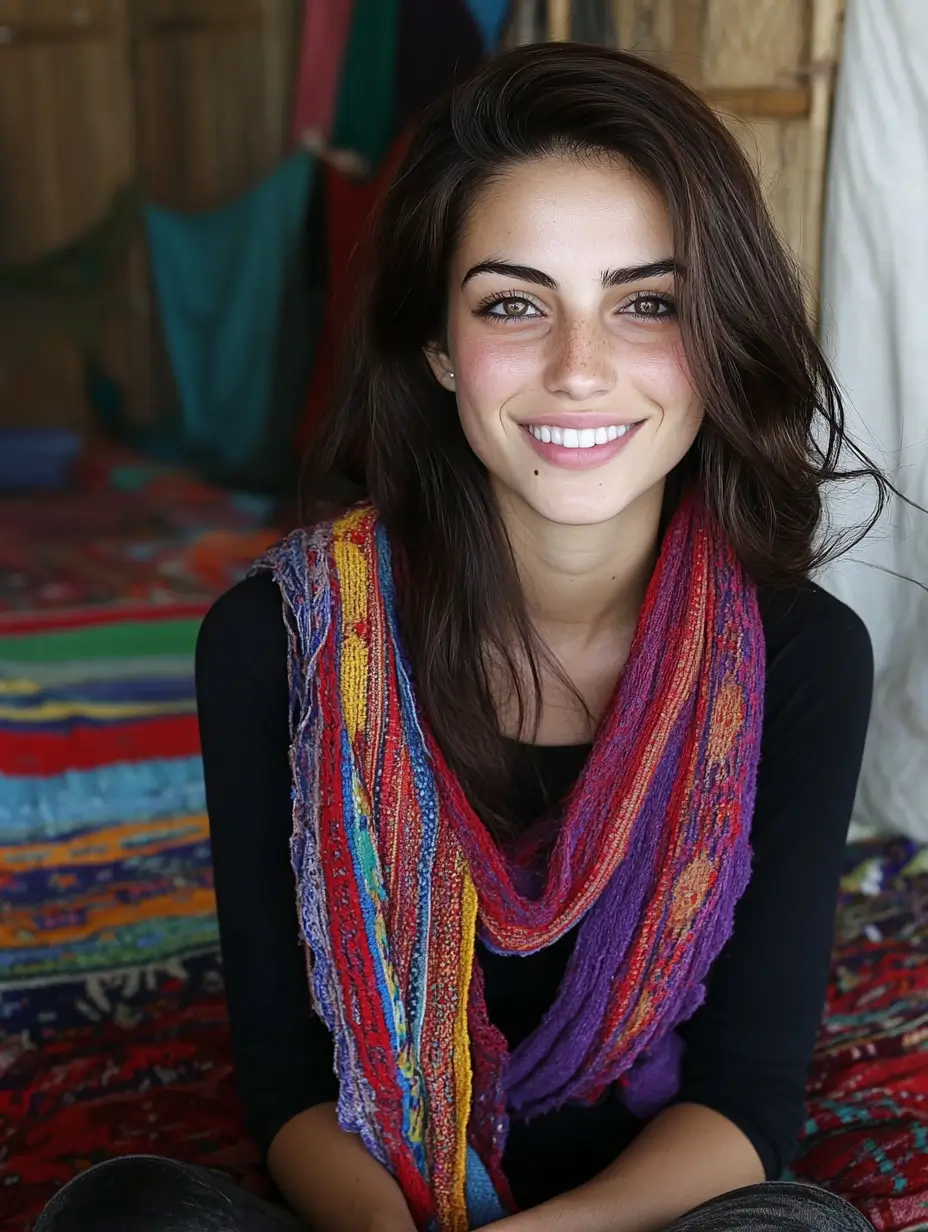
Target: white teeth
x,y
578,438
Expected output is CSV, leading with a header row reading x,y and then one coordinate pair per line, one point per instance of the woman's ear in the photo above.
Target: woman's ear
x,y
440,363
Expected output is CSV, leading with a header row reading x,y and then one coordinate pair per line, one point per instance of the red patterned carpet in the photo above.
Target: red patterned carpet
x,y
133,1063
867,1128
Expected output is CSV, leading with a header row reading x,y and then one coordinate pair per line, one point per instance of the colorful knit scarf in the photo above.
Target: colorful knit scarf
x,y
397,877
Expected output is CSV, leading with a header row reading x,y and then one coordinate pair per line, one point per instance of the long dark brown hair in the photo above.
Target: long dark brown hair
x,y
773,434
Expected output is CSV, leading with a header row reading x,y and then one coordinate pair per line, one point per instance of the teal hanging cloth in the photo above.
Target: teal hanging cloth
x,y
366,112
491,17
239,319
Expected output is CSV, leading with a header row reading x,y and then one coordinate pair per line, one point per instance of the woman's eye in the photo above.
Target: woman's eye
x,y
510,308
654,307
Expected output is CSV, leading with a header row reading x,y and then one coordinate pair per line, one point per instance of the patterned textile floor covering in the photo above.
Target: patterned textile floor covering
x,y
130,1053
112,1026
867,1127
113,1036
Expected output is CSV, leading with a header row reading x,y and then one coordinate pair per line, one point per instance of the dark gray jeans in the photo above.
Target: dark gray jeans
x,y
144,1193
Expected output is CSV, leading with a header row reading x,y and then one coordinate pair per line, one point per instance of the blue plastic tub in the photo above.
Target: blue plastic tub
x,y
36,458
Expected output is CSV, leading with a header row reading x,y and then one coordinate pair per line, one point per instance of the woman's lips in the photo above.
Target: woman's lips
x,y
578,457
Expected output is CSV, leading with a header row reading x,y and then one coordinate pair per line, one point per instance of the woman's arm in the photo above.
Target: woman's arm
x,y
748,1048
684,1157
330,1179
283,1053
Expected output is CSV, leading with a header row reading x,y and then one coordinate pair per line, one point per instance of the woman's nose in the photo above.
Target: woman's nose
x,y
580,364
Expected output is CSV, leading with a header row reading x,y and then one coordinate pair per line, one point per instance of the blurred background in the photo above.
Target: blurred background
x,y
182,186
145,143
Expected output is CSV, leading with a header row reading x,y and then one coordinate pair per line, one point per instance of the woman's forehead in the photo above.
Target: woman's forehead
x,y
571,212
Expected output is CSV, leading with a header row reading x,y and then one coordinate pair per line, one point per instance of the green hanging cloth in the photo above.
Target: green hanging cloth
x,y
239,322
366,112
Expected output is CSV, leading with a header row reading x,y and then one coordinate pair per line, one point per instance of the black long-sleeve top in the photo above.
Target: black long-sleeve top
x,y
747,1049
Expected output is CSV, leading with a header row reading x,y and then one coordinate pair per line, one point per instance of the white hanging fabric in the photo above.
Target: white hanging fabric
x,y
875,331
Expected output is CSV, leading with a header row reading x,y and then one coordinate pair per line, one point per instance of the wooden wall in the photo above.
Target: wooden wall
x,y
212,86
187,98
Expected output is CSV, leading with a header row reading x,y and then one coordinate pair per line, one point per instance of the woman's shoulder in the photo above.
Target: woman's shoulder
x,y
812,636
808,611
244,631
251,604
246,625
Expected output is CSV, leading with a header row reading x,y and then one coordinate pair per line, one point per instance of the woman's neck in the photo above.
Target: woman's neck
x,y
584,583
583,588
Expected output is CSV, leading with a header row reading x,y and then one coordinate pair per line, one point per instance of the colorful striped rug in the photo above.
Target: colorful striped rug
x,y
112,1020
101,798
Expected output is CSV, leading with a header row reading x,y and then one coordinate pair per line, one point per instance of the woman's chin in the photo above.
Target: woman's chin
x,y
588,509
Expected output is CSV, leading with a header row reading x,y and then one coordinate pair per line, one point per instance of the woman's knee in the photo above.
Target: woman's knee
x,y
777,1206
143,1192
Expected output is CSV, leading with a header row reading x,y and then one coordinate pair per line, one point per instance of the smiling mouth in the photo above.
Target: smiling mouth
x,y
578,438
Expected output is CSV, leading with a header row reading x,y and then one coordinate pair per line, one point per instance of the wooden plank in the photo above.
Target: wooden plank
x,y
686,57
778,152
623,22
34,34
54,21
65,148
147,13
827,28
64,142
524,26
754,42
126,343
647,28
761,103
173,26
54,12
558,28
211,100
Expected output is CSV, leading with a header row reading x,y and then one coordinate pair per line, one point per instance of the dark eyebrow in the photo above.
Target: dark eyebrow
x,y
637,273
524,273
610,278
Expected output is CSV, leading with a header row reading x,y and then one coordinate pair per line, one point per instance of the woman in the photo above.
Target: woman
x,y
550,737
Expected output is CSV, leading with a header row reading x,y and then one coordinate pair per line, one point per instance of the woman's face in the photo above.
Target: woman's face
x,y
568,368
